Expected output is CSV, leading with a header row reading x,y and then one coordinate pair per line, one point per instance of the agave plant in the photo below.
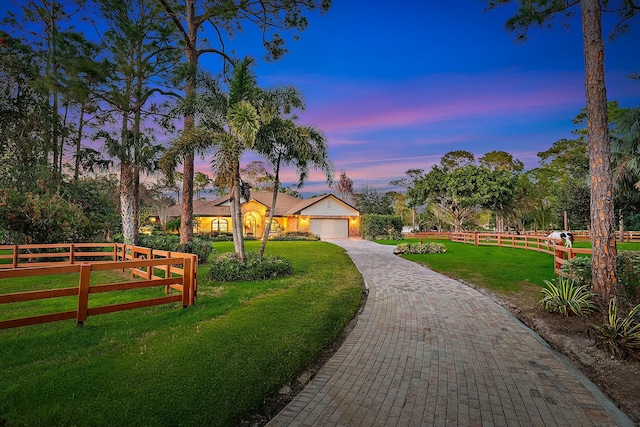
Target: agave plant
x,y
621,336
565,295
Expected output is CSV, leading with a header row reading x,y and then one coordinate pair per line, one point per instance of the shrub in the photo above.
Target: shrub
x,y
200,247
565,295
578,269
42,218
381,227
173,225
629,274
420,248
221,236
628,263
170,242
227,268
621,336
294,235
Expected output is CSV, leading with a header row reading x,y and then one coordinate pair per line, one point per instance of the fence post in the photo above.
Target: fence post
x,y
71,253
15,256
187,282
83,293
194,274
557,254
476,239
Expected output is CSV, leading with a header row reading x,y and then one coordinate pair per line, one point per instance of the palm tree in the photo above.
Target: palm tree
x,y
284,142
227,124
626,150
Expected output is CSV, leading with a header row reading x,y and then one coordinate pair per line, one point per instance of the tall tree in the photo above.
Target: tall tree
x,y
45,23
23,119
457,191
408,182
226,18
200,182
371,201
539,12
228,123
140,45
344,187
257,176
283,142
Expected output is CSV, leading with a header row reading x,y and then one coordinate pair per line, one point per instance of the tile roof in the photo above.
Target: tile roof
x,y
285,204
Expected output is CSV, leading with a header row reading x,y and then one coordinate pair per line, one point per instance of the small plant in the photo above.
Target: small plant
x,y
578,269
565,295
621,336
420,248
227,268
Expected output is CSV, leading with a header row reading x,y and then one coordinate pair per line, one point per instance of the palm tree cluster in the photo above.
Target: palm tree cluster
x,y
98,97
245,117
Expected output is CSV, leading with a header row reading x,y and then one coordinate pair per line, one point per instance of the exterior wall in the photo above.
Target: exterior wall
x,y
354,227
329,207
204,223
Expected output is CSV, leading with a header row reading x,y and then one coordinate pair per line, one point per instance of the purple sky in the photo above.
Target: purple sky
x,y
396,87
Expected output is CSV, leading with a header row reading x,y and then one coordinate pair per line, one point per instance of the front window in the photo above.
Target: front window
x,y
219,224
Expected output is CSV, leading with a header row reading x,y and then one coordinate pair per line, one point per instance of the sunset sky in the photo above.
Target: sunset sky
x,y
396,87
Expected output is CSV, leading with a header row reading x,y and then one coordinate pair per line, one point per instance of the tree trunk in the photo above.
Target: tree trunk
x,y
76,172
603,240
126,201
267,229
136,204
186,225
236,215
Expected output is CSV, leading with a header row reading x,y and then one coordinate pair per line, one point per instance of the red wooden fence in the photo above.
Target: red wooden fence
x,y
171,270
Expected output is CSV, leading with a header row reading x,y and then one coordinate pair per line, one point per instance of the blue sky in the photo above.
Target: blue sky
x,y
396,87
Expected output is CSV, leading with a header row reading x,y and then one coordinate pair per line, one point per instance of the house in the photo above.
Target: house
x,y
327,215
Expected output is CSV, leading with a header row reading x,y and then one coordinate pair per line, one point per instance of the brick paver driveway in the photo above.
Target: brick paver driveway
x,y
430,351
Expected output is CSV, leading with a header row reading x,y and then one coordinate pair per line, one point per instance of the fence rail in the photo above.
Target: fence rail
x,y
171,270
627,236
531,242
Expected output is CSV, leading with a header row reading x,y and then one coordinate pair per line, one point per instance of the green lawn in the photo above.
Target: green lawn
x,y
499,269
203,365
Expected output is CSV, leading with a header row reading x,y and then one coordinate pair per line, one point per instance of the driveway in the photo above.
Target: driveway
x,y
429,351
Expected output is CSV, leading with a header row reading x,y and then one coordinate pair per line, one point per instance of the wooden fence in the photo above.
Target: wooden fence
x,y
171,270
584,236
531,242
539,243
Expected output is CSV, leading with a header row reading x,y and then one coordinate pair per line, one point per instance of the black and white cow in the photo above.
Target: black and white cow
x,y
567,236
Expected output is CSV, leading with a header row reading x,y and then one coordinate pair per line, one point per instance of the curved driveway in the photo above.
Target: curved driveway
x,y
430,351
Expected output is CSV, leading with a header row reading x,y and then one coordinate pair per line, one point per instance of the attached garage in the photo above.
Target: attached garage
x,y
333,228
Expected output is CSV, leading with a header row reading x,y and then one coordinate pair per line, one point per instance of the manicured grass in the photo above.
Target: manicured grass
x,y
203,365
499,269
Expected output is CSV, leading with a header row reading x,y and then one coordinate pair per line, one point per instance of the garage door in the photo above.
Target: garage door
x,y
330,228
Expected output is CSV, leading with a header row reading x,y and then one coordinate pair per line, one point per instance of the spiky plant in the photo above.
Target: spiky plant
x,y
565,296
621,336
